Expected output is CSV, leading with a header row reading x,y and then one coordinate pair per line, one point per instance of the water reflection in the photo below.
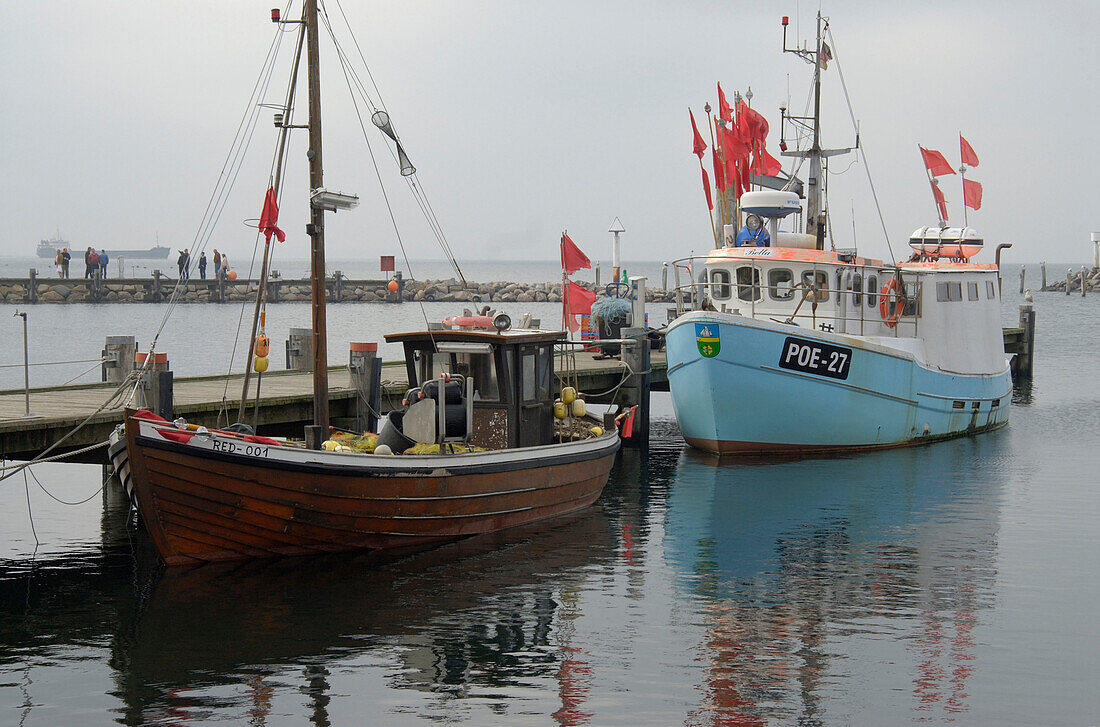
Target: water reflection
x,y
820,578
699,592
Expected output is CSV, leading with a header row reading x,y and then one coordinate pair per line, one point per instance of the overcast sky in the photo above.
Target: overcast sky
x,y
525,119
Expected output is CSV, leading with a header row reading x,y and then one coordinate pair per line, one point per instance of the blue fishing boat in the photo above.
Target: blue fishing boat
x,y
782,344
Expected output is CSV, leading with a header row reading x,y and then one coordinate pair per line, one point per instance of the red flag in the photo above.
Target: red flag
x,y
706,188
972,194
572,259
935,162
269,217
940,201
754,127
724,111
719,177
734,146
746,176
765,164
577,301
700,146
969,158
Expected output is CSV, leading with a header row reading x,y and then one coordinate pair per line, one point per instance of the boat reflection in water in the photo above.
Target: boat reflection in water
x,y
483,615
826,585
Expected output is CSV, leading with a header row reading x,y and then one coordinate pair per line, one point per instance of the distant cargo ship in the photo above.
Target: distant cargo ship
x,y
48,249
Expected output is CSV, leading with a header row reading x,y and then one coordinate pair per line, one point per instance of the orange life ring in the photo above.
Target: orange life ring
x,y
890,290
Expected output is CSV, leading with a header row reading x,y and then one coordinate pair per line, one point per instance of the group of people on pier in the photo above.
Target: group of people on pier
x,y
221,264
95,263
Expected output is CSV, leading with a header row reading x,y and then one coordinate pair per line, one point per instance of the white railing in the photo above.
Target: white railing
x,y
694,294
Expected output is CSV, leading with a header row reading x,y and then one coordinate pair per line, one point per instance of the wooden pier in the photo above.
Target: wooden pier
x,y
286,403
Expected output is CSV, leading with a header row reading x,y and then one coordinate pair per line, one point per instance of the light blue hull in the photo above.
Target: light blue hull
x,y
741,399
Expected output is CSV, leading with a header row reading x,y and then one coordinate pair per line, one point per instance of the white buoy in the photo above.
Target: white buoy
x,y
383,449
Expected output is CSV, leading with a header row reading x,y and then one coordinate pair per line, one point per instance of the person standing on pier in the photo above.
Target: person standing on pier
x,y
202,266
88,263
225,266
103,260
217,264
93,264
184,258
57,260
65,257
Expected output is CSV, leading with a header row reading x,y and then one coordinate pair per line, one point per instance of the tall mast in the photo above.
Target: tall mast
x,y
815,222
316,228
813,196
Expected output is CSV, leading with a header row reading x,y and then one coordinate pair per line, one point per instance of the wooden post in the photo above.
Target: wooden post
x,y
1025,360
339,276
1023,272
1043,274
221,288
156,286
1069,280
1082,274
32,286
636,391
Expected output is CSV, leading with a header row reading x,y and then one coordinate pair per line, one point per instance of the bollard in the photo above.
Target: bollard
x,y
155,389
118,354
299,350
365,368
1024,361
636,391
1043,274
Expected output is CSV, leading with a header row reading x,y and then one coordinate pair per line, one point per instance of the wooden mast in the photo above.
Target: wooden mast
x,y
316,227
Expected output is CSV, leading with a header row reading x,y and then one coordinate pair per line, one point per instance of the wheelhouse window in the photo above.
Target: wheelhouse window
x,y
748,284
857,289
912,299
536,372
820,282
972,291
480,367
780,284
872,291
720,288
990,291
948,291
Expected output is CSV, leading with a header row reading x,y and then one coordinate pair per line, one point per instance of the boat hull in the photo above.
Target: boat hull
x,y
746,398
209,499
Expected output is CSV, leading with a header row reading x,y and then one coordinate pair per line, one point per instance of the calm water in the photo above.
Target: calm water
x,y
951,583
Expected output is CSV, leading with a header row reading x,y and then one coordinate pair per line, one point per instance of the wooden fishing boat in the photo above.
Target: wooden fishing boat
x,y
480,400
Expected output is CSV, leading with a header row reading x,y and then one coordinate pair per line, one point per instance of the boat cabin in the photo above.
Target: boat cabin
x,y
509,394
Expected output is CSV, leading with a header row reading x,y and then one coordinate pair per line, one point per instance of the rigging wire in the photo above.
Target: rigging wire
x,y
413,181
863,152
374,160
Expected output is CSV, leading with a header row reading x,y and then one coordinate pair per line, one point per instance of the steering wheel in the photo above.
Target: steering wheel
x,y
612,290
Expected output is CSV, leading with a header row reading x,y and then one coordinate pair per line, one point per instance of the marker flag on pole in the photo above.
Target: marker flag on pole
x,y
969,158
706,188
941,202
719,177
724,111
577,301
572,259
269,217
935,162
699,146
972,194
764,163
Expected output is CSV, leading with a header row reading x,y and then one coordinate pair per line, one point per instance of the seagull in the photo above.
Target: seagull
x,y
1027,296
